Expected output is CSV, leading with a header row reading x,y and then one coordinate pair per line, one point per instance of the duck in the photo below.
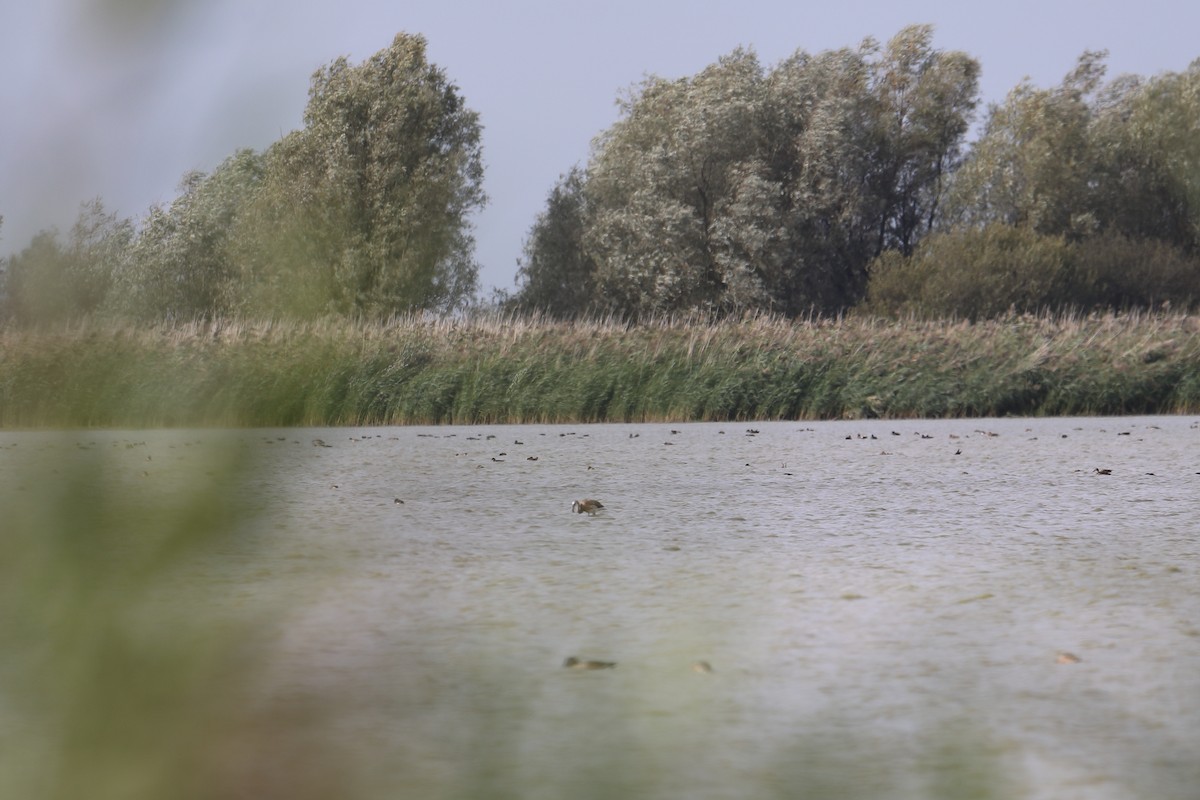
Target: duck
x,y
574,663
586,506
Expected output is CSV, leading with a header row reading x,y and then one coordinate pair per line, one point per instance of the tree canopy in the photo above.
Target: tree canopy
x,y
364,211
53,282
845,180
1082,195
829,182
748,188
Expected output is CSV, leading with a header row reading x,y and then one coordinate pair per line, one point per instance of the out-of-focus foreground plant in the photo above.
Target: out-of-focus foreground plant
x,y
126,666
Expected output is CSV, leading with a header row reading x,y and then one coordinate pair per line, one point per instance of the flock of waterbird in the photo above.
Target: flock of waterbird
x,y
592,506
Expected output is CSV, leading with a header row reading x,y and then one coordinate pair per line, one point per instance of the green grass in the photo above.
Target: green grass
x,y
520,370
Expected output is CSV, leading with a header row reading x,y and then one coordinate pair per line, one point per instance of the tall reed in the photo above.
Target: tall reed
x,y
525,369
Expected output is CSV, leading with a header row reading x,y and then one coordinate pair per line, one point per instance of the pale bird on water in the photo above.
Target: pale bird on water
x,y
587,506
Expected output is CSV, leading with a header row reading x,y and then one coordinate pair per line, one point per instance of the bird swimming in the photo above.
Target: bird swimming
x,y
574,663
586,506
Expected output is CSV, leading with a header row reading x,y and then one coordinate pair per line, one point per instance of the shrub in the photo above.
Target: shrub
x,y
972,272
1113,271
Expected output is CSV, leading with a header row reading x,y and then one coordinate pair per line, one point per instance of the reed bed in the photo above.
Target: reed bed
x,y
501,369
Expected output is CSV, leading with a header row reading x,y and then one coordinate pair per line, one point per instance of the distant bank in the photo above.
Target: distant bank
x,y
506,370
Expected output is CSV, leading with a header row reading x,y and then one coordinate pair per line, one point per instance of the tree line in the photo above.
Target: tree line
x,y
364,211
844,180
830,182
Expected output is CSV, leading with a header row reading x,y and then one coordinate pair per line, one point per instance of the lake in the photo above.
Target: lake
x,y
984,608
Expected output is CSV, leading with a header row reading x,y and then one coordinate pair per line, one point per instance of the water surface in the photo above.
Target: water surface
x,y
883,603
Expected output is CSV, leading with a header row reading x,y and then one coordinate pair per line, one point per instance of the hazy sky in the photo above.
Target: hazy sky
x,y
119,98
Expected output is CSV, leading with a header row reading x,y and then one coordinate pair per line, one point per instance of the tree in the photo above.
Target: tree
x,y
556,276
1144,135
659,183
822,163
49,283
36,288
1113,169
184,264
926,99
740,189
1035,166
366,209
861,142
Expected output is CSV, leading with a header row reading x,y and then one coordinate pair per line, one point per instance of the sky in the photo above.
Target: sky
x,y
118,99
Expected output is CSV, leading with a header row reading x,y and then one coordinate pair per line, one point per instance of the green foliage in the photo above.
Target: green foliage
x,y
1115,271
366,209
1033,166
184,264
1084,158
52,283
796,189
926,99
1149,158
1076,196
658,183
974,273
556,275
743,189
986,272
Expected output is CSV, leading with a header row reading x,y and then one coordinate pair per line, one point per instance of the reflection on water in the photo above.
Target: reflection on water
x,y
882,603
